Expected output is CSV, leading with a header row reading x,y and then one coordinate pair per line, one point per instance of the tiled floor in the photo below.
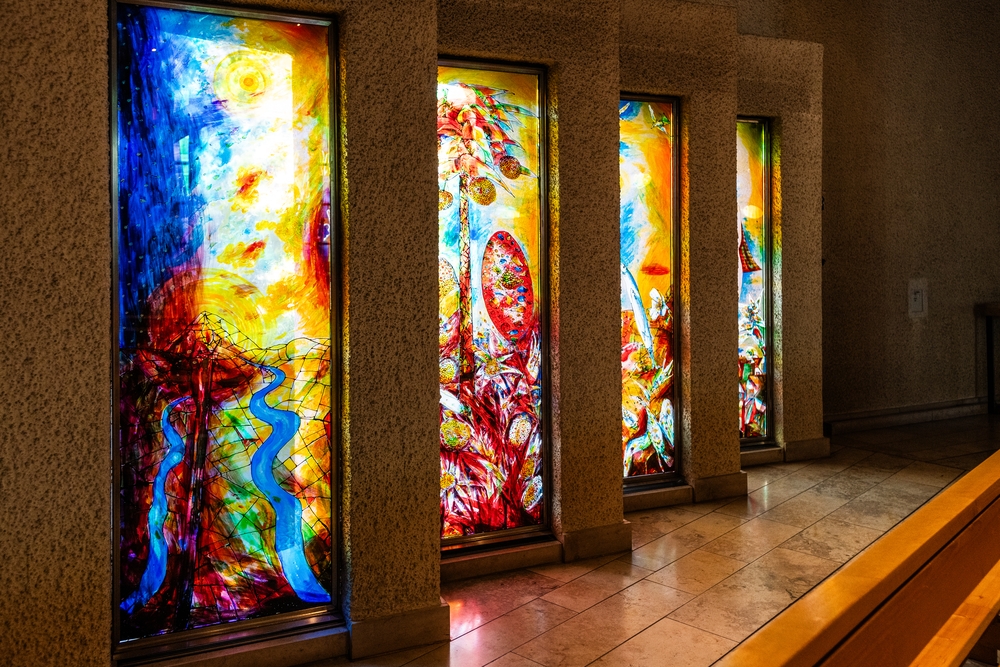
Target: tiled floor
x,y
703,577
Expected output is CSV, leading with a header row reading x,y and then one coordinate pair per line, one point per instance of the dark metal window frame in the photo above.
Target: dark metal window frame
x,y
768,290
187,642
456,546
675,476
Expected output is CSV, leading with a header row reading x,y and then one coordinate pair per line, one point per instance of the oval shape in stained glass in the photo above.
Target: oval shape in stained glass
x,y
507,289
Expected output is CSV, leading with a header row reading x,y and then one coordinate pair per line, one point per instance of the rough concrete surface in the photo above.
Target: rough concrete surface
x,y
391,469
55,309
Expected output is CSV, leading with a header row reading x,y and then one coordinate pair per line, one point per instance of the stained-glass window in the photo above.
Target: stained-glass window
x,y
648,243
752,219
492,293
224,454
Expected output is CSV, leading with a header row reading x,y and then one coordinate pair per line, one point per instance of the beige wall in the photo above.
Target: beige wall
x,y
911,167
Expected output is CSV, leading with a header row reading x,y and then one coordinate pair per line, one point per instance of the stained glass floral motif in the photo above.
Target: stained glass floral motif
x,y
647,295
489,248
753,239
224,383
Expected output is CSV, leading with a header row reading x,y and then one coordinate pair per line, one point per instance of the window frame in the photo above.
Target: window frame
x,y
768,288
674,477
316,617
452,547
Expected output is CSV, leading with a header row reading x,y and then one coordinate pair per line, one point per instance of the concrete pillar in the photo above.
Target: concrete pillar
x,y
689,50
577,42
783,80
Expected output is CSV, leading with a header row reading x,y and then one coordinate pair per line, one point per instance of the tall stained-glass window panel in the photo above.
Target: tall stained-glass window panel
x,y
754,266
492,295
648,273
223,392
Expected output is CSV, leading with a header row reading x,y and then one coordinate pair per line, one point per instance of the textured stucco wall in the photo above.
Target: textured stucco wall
x,y
55,473
783,80
577,41
911,179
689,50
391,476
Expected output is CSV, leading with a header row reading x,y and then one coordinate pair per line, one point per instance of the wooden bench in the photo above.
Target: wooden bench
x,y
921,595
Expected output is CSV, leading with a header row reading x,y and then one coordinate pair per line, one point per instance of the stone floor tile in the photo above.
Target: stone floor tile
x,y
664,519
751,540
933,454
589,635
696,572
865,473
883,462
966,462
744,601
927,473
482,599
665,550
956,437
758,476
975,447
804,509
885,504
603,582
836,462
815,473
921,443
790,466
566,572
766,497
834,540
913,492
513,660
647,525
492,640
882,436
842,440
668,642
644,534
844,486
707,506
943,427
